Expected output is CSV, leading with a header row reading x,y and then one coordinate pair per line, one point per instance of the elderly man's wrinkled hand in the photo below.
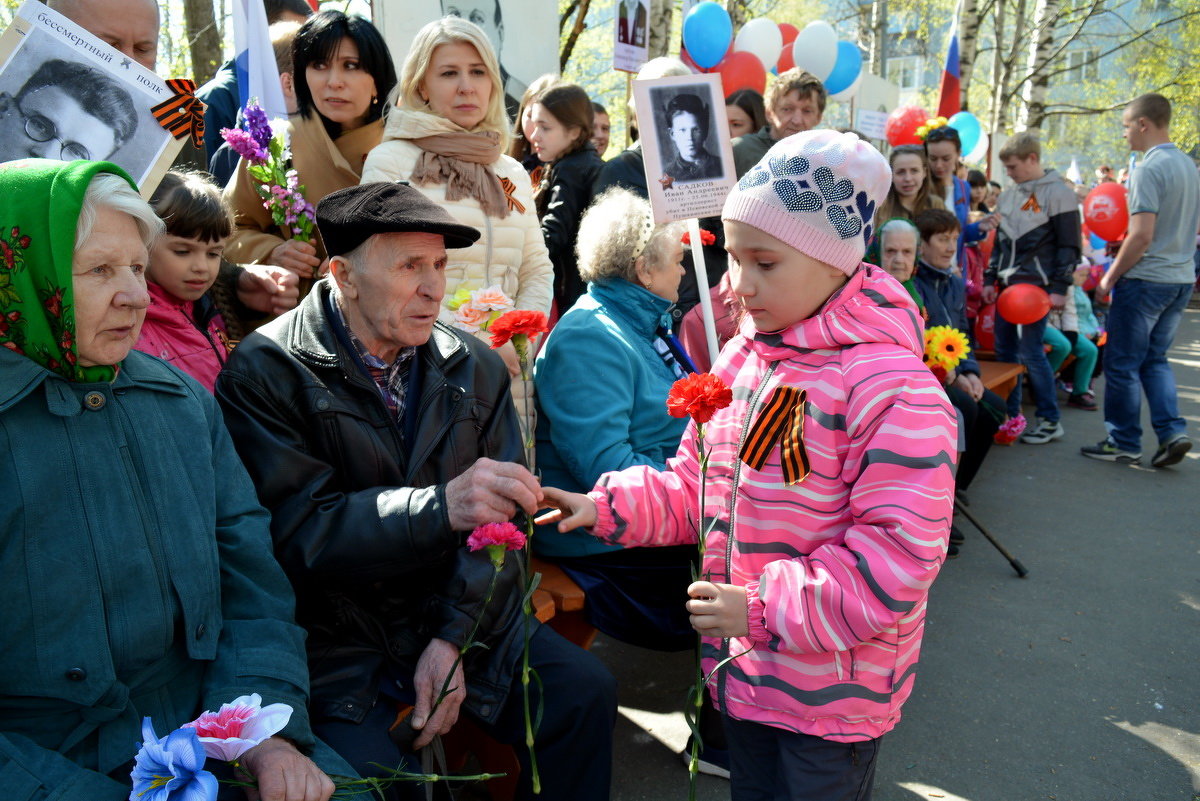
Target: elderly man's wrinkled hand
x,y
299,257
436,661
491,492
282,773
268,289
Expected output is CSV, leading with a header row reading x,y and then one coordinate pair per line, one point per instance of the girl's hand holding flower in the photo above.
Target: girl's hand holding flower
x,y
572,509
718,610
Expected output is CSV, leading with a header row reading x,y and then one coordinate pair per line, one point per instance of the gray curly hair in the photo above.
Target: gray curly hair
x,y
610,233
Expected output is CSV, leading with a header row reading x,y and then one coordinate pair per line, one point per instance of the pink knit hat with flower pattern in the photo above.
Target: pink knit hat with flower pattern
x,y
817,192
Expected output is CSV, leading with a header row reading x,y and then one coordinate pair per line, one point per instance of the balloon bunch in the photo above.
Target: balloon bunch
x,y
909,125
762,45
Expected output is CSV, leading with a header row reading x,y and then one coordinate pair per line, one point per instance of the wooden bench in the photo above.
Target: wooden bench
x,y
1000,377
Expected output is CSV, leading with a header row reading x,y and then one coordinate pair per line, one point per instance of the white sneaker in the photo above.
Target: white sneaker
x,y
1043,432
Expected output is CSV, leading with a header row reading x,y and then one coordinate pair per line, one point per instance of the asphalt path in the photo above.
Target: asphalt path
x,y
1080,682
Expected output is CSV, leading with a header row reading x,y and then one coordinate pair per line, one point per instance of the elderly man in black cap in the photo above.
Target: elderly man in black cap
x,y
379,438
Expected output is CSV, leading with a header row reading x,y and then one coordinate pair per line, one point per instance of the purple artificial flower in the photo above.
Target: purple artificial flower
x,y
171,769
244,145
258,125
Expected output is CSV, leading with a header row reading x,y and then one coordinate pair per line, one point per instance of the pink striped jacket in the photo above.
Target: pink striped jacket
x,y
837,567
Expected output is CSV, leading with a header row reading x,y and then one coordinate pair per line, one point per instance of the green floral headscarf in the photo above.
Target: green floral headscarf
x,y
40,200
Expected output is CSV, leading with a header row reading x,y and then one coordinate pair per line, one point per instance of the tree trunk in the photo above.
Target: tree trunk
x,y
968,46
1004,63
661,14
204,40
1033,110
739,12
568,44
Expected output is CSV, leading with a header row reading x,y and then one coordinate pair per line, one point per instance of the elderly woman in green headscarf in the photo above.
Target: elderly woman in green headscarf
x,y
135,560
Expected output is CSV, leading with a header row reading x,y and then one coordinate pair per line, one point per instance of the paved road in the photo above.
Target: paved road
x,y
1078,683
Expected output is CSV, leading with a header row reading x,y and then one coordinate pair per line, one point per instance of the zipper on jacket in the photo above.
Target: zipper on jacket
x,y
737,476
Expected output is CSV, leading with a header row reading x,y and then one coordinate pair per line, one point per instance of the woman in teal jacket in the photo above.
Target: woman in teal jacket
x,y
135,560
602,381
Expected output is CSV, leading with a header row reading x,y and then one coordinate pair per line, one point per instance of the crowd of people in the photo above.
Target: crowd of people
x,y
244,463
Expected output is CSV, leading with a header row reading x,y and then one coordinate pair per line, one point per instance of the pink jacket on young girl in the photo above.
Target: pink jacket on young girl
x,y
170,333
837,567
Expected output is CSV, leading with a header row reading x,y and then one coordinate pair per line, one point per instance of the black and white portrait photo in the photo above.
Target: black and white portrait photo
x,y
685,145
62,100
686,124
524,34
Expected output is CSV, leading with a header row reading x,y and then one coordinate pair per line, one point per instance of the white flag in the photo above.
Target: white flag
x,y
257,75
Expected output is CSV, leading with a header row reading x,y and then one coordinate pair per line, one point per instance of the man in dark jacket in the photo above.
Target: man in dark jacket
x,y
379,438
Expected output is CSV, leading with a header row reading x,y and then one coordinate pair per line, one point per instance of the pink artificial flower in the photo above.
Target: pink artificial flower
x,y
505,534
471,318
491,299
239,726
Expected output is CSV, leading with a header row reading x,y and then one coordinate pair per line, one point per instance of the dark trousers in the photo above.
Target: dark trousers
x,y
979,427
573,743
638,595
770,764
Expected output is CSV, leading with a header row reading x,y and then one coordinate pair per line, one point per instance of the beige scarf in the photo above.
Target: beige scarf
x,y
451,155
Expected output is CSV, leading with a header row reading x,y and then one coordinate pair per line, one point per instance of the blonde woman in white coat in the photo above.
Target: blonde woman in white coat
x,y
445,133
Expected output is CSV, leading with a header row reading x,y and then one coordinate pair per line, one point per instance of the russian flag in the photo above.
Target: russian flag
x,y
950,98
257,74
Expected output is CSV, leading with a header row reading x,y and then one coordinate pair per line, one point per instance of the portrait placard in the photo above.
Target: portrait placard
x,y
524,34
64,94
631,43
685,144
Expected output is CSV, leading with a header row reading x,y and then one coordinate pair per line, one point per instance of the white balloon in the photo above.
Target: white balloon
x,y
762,38
815,49
978,155
850,91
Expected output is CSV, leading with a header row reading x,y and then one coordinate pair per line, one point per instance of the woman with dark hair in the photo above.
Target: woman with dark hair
x,y
746,112
944,150
66,110
979,185
912,189
519,148
343,74
562,139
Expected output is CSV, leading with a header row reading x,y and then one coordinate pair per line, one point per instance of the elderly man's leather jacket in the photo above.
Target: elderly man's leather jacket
x,y
358,514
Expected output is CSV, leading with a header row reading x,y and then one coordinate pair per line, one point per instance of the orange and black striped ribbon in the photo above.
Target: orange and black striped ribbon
x,y
780,422
183,113
510,190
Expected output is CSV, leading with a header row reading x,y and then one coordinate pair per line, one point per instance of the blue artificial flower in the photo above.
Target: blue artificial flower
x,y
258,125
171,769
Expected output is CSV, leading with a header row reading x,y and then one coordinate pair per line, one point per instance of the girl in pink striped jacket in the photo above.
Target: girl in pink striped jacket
x,y
830,484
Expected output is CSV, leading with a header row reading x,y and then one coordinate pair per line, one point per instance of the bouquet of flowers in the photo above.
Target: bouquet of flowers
x,y
476,309
945,348
171,768
268,161
1009,430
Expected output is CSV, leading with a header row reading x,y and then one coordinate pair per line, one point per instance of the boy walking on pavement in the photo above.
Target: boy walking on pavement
x,y
1151,281
1038,242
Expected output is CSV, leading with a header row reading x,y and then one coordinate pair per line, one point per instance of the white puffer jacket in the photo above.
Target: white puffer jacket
x,y
511,252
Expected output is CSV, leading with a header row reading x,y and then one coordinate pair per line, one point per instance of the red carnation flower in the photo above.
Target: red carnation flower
x,y
699,395
518,322
706,237
939,372
506,534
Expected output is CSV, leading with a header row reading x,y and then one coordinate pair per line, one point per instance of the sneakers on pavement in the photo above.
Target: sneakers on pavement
x,y
1045,431
1107,451
1171,452
1085,401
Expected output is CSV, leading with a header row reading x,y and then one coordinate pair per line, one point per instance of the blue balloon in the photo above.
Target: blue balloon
x,y
969,129
845,69
707,34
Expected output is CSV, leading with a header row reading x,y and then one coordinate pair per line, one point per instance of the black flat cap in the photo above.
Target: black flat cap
x,y
350,216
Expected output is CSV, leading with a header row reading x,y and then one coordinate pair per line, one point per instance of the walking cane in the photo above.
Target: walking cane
x,y
1016,564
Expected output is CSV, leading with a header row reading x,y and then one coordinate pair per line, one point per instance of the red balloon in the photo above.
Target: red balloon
x,y
1022,304
787,59
902,125
1106,211
741,70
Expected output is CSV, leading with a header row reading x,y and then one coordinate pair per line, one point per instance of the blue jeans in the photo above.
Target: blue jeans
x,y
1142,322
1026,347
